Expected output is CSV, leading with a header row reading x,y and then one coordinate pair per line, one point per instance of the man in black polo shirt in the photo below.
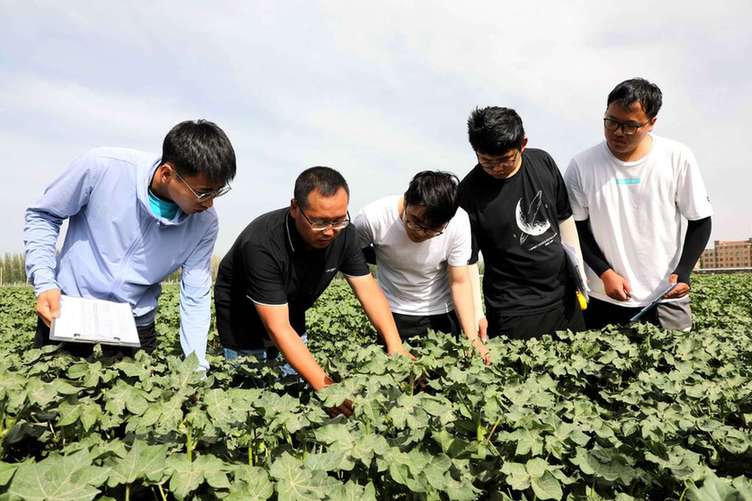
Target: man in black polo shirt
x,y
282,262
520,219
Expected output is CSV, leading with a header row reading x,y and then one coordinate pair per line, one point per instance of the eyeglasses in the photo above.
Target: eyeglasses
x,y
487,164
202,197
319,225
629,129
417,227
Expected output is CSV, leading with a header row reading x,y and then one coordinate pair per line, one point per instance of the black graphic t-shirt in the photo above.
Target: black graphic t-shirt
x,y
515,223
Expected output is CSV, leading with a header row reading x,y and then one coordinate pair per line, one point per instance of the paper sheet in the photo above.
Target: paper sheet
x,y
94,321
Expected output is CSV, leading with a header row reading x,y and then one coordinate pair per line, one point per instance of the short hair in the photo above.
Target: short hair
x,y
200,147
324,179
436,191
495,131
637,89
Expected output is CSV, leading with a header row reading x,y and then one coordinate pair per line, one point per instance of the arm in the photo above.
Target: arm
x,y
195,298
616,286
276,320
65,197
698,234
480,316
461,286
377,309
569,237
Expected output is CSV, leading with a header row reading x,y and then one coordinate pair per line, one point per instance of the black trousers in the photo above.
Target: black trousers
x,y
602,313
565,316
147,335
418,325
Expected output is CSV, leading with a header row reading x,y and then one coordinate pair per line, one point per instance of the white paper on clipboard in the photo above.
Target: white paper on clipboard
x,y
84,320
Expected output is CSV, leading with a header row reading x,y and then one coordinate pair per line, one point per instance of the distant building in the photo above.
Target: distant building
x,y
727,254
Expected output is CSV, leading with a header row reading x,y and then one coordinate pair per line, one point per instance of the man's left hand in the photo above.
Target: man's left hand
x,y
401,351
680,290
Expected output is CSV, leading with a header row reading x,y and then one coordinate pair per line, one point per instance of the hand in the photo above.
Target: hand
x,y
680,290
401,350
345,408
483,329
616,286
48,306
485,355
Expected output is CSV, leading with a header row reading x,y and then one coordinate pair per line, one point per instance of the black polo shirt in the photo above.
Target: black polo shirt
x,y
270,264
515,224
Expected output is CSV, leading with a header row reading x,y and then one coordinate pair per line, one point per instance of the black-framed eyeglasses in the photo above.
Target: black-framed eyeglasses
x,y
417,227
487,164
629,129
202,197
319,225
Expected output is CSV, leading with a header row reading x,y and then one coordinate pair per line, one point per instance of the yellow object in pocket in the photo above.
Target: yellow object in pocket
x,y
581,299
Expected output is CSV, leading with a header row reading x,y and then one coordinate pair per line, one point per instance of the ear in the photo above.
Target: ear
x,y
293,207
652,123
524,144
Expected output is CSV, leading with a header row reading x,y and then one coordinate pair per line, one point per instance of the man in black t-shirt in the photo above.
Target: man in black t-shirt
x,y
282,262
521,220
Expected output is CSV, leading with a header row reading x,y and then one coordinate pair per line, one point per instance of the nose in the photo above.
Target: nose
x,y
329,231
619,131
208,203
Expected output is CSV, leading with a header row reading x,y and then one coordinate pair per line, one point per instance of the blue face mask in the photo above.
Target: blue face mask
x,y
162,208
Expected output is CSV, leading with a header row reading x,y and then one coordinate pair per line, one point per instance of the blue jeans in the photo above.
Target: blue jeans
x,y
263,355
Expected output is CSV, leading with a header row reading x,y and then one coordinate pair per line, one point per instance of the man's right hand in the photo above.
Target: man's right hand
x,y
48,306
345,408
616,286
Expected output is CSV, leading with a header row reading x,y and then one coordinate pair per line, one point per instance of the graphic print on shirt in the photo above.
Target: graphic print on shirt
x,y
532,222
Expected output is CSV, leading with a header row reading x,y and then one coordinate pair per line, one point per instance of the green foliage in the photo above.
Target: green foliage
x,y
622,413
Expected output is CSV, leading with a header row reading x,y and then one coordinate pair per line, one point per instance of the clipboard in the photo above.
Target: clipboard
x,y
84,320
653,303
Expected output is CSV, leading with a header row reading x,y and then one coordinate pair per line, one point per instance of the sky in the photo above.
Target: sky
x,y
377,90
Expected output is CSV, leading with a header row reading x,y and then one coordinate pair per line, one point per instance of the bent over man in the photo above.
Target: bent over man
x,y
521,220
281,262
134,218
421,242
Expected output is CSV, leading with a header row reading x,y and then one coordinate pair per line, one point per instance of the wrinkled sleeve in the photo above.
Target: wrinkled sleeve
x,y
65,197
577,198
461,245
195,297
692,197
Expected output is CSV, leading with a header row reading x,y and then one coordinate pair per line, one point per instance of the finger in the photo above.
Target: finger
x,y
43,310
674,278
681,290
54,304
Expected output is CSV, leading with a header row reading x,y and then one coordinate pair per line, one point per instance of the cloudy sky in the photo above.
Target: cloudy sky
x,y
377,90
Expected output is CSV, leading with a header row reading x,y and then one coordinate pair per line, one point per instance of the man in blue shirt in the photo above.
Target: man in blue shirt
x,y
133,219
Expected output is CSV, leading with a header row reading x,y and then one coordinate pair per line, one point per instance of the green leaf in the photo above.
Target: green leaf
x,y
251,484
58,478
143,461
546,486
6,472
295,482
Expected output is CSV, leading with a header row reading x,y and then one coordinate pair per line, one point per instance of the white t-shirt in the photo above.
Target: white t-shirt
x,y
413,275
635,211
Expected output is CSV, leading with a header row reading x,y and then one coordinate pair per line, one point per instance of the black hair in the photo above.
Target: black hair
x,y
436,191
324,179
637,89
200,147
495,131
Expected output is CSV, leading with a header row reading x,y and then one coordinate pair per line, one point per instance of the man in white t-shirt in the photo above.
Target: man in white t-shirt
x,y
421,242
630,195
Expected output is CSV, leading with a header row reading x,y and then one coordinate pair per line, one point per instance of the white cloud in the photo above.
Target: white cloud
x,y
377,90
